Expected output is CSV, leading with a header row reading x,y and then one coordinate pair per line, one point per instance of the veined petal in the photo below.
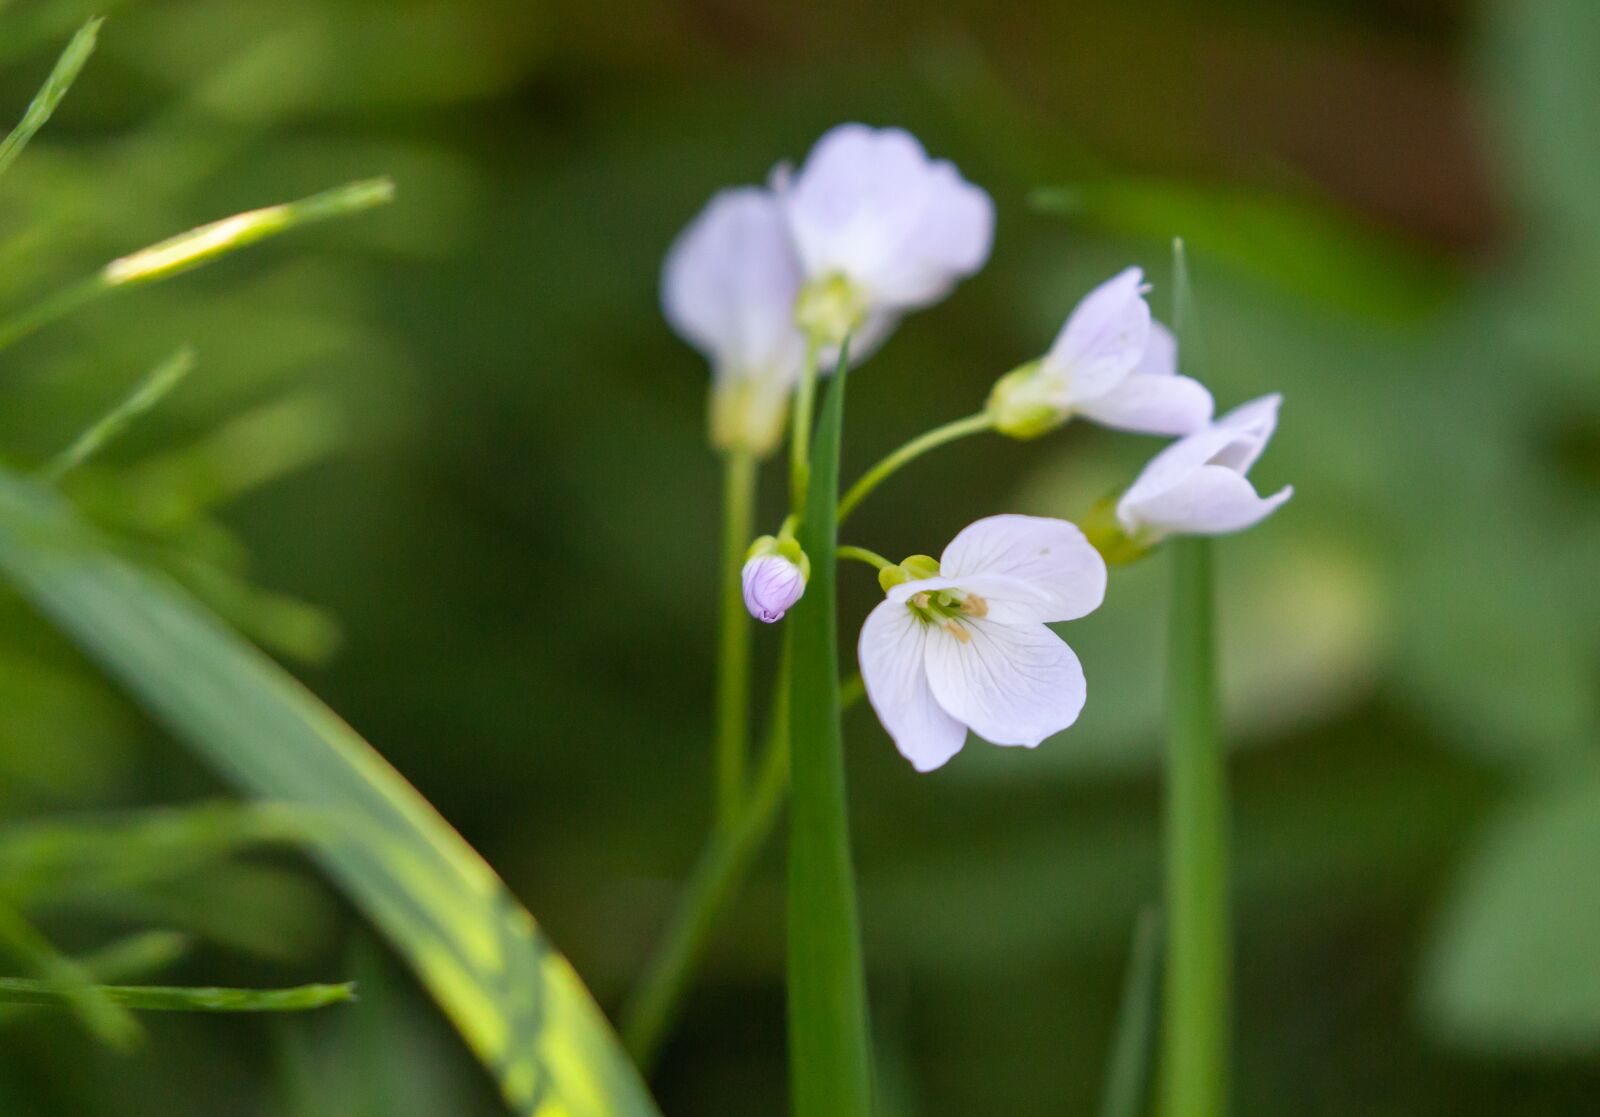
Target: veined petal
x,y
1104,338
1048,571
892,655
1012,684
1176,462
1213,500
1151,403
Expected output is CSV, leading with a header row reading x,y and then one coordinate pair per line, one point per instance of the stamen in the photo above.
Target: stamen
x,y
958,632
975,606
921,600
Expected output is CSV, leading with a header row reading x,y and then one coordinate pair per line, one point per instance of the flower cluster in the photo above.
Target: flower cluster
x,y
770,282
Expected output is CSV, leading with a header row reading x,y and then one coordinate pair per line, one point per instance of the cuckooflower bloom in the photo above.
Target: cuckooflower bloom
x,y
961,643
1198,485
774,576
728,288
1111,364
881,230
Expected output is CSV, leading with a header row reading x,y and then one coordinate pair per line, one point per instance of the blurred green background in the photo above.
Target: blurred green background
x,y
447,461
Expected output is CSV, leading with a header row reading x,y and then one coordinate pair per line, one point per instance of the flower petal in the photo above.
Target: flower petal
x,y
729,285
1213,500
869,204
1013,684
1160,352
1104,337
893,667
1046,569
1257,419
1150,403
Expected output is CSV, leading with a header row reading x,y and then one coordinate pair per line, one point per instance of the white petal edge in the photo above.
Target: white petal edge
x,y
1214,500
1149,403
1064,576
1160,352
1012,684
892,656
1104,337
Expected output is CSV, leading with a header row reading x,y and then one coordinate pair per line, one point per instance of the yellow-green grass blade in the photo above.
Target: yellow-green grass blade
x,y
516,1000
182,998
55,88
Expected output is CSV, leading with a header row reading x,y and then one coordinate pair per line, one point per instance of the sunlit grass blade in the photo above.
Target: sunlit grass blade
x,y
69,982
1195,1016
50,95
150,392
176,998
1127,1087
196,247
513,997
829,1059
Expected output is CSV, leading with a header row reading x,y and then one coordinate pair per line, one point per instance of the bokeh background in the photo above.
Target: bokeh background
x,y
447,462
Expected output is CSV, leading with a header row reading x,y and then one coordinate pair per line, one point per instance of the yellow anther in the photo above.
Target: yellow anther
x,y
975,606
958,632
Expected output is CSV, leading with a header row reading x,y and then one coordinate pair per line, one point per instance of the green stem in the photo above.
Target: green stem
x,y
1128,1064
723,866
861,554
733,646
805,395
52,309
1196,1016
938,436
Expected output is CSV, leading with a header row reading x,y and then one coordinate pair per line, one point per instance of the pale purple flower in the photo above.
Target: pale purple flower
x,y
728,288
1199,484
970,648
881,230
1111,364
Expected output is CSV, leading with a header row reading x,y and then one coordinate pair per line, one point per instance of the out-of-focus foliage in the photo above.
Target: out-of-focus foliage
x,y
448,461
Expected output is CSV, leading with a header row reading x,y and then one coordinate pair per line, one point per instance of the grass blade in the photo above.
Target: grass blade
x,y
150,392
196,247
517,1001
178,998
68,981
50,95
1127,1089
829,1061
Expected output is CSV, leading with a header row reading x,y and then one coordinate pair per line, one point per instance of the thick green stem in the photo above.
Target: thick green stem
x,y
938,436
733,645
1195,1022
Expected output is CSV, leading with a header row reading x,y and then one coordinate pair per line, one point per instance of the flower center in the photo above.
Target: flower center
x,y
829,308
949,609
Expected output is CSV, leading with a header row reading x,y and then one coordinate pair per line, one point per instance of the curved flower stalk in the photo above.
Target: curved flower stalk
x,y
880,230
1111,364
962,643
1199,484
728,288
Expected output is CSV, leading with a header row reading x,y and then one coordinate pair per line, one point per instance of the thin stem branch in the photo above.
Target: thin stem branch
x,y
733,646
938,436
805,395
861,554
1196,1016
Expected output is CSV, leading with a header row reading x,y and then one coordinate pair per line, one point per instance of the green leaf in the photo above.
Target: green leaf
x,y
174,998
149,392
1127,1087
829,1061
516,1000
68,980
50,95
1514,963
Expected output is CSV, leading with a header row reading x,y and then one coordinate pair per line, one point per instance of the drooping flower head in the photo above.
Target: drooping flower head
x,y
728,288
774,578
961,643
881,230
1199,484
1111,364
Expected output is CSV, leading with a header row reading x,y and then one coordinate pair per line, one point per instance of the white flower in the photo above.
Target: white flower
x,y
728,288
1111,364
969,647
772,584
1197,486
881,230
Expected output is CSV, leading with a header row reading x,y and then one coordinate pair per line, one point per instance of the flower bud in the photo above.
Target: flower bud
x,y
774,577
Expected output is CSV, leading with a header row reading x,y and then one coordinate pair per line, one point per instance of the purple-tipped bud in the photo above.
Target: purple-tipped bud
x,y
772,584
